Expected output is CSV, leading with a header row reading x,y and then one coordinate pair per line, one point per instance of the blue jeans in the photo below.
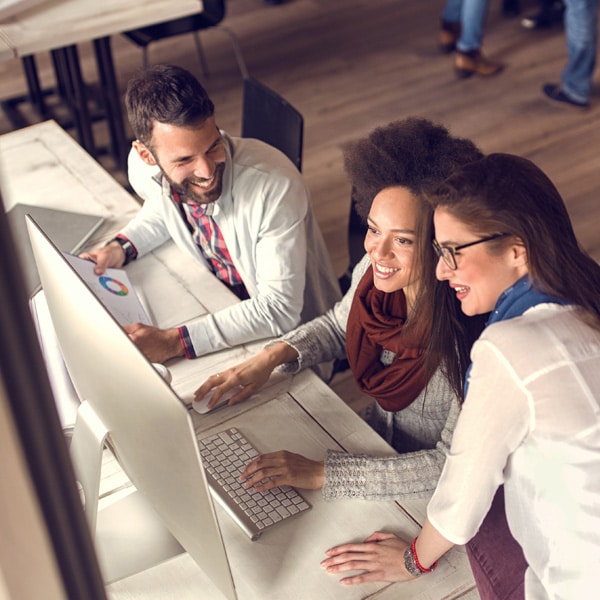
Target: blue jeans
x,y
471,15
581,30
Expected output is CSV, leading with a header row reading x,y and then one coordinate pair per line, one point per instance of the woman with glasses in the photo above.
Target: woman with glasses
x,y
382,325
531,415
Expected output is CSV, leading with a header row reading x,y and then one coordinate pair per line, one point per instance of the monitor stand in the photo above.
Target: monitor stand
x,y
128,533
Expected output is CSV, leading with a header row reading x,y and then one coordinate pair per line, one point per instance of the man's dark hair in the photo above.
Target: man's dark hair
x,y
165,94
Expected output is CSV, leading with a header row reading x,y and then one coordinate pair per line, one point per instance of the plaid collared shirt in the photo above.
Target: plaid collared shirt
x,y
209,239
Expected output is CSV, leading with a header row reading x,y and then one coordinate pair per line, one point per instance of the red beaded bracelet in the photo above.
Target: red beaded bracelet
x,y
413,549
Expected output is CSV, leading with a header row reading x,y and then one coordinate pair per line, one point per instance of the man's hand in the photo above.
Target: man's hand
x,y
283,468
111,255
157,345
380,557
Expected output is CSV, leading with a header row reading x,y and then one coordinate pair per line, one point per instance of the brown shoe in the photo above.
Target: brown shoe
x,y
448,36
474,63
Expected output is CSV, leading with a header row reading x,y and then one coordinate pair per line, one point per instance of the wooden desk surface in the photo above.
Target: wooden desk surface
x,y
60,23
301,414
284,563
42,164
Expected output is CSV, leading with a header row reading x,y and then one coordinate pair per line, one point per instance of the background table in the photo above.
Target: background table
x,y
44,166
57,26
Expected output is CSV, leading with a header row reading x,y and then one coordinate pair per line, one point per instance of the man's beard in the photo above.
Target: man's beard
x,y
189,194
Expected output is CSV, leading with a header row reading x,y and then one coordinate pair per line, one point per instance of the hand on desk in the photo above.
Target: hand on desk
x,y
157,345
249,375
283,468
380,557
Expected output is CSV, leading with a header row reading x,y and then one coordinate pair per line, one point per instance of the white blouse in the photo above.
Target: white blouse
x,y
531,420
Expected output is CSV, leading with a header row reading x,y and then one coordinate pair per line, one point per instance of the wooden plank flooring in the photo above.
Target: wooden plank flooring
x,y
352,65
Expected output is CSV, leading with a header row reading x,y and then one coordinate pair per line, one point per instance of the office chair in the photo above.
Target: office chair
x,y
269,117
213,13
356,249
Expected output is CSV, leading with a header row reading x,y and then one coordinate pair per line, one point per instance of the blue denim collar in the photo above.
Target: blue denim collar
x,y
519,297
513,302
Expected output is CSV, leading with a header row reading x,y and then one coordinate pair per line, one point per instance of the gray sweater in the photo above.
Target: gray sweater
x,y
421,433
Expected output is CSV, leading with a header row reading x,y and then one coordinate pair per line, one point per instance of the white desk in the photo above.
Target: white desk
x,y
298,413
60,23
45,166
57,26
8,8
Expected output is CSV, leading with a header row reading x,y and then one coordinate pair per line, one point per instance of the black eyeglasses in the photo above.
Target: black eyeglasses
x,y
448,253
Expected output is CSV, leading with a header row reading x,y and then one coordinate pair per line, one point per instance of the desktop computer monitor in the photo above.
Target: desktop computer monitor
x,y
149,427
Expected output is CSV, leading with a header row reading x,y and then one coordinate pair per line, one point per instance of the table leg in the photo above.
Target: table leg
x,y
112,102
35,96
60,86
72,92
68,72
35,92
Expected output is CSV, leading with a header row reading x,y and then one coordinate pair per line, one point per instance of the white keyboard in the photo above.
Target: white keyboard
x,y
224,456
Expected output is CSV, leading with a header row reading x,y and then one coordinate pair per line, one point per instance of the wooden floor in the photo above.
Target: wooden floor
x,y
351,65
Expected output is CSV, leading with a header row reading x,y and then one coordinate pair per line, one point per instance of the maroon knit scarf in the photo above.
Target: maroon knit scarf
x,y
375,322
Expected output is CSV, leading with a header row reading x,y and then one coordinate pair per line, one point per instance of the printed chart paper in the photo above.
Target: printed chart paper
x,y
114,289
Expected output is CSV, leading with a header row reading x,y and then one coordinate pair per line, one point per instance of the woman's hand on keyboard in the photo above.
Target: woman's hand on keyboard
x,y
283,468
249,375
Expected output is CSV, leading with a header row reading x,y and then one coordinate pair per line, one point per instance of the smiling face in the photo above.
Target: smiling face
x,y
481,274
390,240
191,158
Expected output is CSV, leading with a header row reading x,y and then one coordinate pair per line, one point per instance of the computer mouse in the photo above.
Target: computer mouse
x,y
201,406
163,372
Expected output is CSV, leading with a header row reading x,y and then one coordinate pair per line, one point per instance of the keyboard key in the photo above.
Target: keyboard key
x,y
224,456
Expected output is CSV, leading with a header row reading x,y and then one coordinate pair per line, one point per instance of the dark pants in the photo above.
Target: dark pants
x,y
496,559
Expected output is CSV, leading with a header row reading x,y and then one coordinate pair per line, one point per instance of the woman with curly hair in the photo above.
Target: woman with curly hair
x,y
382,325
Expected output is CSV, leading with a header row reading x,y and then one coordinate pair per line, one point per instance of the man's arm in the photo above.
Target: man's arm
x,y
157,345
266,236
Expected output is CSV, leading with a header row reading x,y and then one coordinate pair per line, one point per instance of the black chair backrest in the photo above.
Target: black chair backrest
x,y
269,117
213,12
